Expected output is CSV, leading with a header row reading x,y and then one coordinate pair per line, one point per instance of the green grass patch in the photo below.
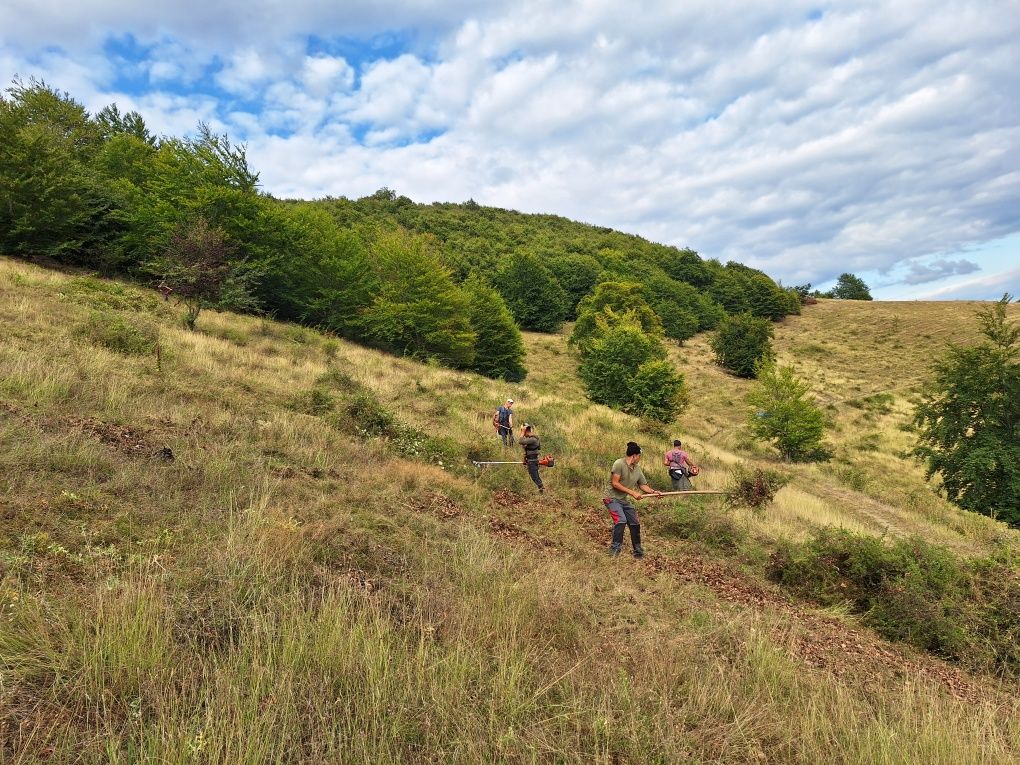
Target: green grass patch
x,y
106,295
120,334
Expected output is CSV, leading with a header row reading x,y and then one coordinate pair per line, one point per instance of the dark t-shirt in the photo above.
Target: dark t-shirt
x,y
504,415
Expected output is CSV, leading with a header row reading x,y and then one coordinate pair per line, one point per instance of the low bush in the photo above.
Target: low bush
x,y
316,401
914,592
114,331
361,415
417,444
754,488
338,379
99,294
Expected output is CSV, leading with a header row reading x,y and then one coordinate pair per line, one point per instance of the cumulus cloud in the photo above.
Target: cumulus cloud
x,y
806,140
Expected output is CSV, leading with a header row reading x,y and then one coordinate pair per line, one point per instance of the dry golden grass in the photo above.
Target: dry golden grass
x,y
285,592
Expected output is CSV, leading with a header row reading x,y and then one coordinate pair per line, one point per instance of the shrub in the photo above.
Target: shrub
x,y
754,488
783,417
657,391
99,294
196,266
677,323
417,444
361,415
316,401
908,590
117,333
742,343
608,368
337,378
699,523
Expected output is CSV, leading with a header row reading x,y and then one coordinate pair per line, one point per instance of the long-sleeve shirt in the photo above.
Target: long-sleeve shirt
x,y
531,446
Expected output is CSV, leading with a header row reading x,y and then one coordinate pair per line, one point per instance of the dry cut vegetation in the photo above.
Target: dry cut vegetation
x,y
253,543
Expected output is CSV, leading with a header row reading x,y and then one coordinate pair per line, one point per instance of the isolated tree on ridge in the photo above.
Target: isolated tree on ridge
x,y
850,287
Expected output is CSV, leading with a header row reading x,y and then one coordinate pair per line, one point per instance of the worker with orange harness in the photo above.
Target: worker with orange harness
x,y
680,466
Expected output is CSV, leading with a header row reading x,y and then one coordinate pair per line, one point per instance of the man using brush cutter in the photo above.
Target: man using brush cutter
x,y
627,481
503,420
531,445
681,467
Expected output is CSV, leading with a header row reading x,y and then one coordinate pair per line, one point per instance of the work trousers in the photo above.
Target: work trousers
x,y
624,515
533,472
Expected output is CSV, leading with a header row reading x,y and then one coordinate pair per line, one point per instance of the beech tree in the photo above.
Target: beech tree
x,y
499,349
418,310
783,416
609,301
742,343
969,420
850,287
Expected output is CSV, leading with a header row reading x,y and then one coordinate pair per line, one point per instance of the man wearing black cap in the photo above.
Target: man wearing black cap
x,y
627,481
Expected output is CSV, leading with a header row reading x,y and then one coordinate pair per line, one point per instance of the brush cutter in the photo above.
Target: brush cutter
x,y
681,493
546,461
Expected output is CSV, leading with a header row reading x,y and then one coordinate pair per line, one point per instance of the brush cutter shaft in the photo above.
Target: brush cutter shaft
x,y
681,493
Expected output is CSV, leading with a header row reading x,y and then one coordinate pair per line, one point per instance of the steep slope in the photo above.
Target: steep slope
x,y
206,556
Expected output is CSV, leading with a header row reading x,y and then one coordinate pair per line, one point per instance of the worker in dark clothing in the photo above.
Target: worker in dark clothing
x,y
529,441
627,481
503,419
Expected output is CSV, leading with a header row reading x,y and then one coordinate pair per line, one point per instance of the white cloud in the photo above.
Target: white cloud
x,y
863,139
992,286
323,75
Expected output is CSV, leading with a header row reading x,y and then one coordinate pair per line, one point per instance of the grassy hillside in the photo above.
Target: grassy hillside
x,y
207,556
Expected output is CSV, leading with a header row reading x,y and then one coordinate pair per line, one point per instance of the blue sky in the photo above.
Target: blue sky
x,y
803,138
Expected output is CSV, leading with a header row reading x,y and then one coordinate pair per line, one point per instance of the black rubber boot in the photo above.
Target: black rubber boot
x,y
635,540
617,545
